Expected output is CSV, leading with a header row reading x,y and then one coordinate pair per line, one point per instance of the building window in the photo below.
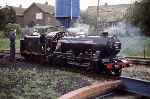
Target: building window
x,y
39,16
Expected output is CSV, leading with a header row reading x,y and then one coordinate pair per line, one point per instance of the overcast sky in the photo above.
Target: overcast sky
x,y
84,3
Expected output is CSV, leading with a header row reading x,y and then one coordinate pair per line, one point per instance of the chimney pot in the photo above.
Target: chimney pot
x,y
20,6
46,3
106,4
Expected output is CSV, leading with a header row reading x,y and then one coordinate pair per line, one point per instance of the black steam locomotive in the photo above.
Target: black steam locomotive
x,y
92,52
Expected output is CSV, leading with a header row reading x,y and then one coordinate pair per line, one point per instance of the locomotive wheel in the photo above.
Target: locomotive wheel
x,y
27,57
97,69
57,61
50,59
117,72
95,66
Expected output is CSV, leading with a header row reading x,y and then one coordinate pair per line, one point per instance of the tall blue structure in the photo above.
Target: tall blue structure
x,y
67,11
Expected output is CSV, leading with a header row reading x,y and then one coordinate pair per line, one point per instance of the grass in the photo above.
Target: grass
x,y
135,46
5,43
34,84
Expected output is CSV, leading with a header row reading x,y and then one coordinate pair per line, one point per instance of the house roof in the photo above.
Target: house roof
x,y
109,13
19,11
45,8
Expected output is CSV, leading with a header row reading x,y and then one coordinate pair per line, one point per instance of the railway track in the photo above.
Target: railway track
x,y
139,60
133,60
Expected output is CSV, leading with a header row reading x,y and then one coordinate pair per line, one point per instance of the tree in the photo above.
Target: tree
x,y
7,16
90,20
2,20
139,15
10,14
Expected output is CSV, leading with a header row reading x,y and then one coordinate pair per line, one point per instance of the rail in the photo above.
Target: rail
x,y
139,60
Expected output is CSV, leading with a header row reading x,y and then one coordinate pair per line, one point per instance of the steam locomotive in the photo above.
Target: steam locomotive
x,y
98,53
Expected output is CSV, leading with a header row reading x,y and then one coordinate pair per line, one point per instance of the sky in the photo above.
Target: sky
x,y
83,3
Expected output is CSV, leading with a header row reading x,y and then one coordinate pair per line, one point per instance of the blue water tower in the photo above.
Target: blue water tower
x,y
67,11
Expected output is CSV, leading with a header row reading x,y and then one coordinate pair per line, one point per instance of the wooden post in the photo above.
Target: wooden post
x,y
91,91
97,19
144,51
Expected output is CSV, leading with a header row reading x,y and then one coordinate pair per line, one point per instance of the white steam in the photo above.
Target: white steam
x,y
80,28
123,29
133,42
130,37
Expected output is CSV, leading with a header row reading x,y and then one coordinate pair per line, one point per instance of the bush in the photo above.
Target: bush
x,y
2,35
9,27
139,15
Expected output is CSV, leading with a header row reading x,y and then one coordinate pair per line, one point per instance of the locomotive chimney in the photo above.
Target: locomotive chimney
x,y
105,34
20,6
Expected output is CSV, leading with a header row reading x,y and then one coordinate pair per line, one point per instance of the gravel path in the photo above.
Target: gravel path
x,y
137,72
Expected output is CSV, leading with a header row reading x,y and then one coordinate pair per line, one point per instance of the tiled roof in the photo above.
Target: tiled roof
x,y
19,10
45,8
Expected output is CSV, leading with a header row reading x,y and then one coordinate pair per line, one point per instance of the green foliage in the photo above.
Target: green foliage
x,y
2,20
9,27
7,16
2,34
10,14
139,15
4,43
35,83
136,47
89,19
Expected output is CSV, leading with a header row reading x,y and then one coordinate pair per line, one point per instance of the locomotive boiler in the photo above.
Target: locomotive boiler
x,y
98,53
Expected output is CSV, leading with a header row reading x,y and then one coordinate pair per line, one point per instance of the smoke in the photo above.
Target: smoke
x,y
132,39
80,29
123,29
133,42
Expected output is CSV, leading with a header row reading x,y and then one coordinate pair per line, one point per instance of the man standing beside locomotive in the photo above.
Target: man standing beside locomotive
x,y
43,42
12,38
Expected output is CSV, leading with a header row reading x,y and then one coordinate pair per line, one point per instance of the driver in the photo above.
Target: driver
x,y
43,42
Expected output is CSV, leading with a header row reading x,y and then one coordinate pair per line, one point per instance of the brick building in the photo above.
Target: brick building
x,y
19,15
109,13
36,14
